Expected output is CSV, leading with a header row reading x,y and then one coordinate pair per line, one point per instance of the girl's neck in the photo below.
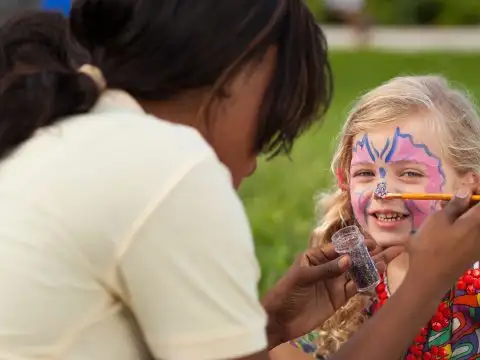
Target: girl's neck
x,y
396,271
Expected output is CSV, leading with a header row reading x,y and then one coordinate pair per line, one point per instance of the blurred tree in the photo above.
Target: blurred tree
x,y
318,9
461,12
414,12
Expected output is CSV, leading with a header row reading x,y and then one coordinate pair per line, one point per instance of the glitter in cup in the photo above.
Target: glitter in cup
x,y
363,272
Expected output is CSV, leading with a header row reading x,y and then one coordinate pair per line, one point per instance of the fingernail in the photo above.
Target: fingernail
x,y
344,262
463,193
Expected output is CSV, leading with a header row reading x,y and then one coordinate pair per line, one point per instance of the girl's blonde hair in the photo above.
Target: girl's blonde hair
x,y
454,119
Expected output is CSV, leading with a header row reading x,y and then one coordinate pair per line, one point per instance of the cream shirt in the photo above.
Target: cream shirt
x,y
122,238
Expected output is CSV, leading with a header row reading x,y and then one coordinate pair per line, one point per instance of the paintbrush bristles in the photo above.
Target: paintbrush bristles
x,y
381,190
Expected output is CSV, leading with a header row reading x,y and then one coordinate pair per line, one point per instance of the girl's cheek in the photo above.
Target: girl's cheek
x,y
420,210
360,201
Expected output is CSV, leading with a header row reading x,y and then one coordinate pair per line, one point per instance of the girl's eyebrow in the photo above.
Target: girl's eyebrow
x,y
362,162
406,162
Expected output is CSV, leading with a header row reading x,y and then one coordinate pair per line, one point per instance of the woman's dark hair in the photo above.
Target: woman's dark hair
x,y
38,78
158,49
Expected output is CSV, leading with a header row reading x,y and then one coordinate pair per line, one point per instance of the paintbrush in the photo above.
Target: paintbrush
x,y
419,196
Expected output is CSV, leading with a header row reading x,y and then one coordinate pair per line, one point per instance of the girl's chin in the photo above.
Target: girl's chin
x,y
386,240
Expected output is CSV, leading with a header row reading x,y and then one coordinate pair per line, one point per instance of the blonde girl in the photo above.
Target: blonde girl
x,y
411,134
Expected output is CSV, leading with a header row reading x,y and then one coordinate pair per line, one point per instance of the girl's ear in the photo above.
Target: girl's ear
x,y
341,182
470,178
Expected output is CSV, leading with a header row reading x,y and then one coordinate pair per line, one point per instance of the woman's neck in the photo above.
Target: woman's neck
x,y
396,271
185,109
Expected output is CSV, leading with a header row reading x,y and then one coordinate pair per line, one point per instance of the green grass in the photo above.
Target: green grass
x,y
280,196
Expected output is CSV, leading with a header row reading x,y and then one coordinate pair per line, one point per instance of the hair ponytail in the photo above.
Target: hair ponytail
x,y
33,100
39,80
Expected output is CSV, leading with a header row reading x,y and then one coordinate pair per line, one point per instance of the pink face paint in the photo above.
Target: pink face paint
x,y
404,149
419,210
362,152
360,203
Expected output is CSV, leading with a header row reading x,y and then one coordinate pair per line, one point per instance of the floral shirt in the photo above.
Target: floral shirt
x,y
307,343
460,339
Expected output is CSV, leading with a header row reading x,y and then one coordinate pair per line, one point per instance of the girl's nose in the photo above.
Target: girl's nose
x,y
380,190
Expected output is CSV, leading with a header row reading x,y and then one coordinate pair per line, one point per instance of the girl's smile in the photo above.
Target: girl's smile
x,y
388,218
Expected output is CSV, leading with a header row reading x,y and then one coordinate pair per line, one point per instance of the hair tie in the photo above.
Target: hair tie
x,y
95,74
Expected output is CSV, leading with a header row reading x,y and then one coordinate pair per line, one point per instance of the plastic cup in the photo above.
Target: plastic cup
x,y
349,240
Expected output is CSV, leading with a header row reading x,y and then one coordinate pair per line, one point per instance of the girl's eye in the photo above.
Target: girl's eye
x,y
363,173
410,173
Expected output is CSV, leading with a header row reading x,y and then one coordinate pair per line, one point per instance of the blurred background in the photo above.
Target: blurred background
x,y
403,12
370,41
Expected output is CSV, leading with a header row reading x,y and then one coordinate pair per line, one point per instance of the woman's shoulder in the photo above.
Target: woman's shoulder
x,y
118,121
122,156
134,132
122,141
138,146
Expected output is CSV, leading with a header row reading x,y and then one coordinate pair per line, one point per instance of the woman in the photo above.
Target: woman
x,y
122,236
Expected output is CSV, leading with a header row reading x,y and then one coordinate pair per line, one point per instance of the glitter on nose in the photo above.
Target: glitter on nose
x,y
381,190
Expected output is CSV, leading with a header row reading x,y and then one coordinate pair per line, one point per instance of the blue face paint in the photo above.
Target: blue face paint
x,y
382,172
385,148
362,151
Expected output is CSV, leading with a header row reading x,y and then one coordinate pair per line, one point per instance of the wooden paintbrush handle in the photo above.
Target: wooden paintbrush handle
x,y
411,196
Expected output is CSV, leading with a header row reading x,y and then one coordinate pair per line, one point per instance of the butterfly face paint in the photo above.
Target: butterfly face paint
x,y
405,150
360,197
392,160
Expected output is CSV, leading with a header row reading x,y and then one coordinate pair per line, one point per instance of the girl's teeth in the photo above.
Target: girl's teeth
x,y
389,217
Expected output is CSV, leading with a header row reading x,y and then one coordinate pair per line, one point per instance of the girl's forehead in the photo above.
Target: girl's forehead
x,y
412,132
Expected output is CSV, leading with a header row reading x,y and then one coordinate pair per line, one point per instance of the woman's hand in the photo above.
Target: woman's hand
x,y
312,290
447,243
